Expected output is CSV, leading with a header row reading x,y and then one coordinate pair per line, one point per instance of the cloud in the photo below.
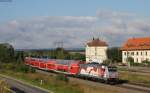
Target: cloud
x,y
119,26
74,31
43,32
114,15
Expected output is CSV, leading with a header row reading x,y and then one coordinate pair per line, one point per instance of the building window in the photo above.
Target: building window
x,y
128,53
132,53
125,53
141,53
137,53
146,53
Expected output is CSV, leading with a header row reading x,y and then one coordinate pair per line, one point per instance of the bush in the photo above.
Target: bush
x,y
17,67
62,77
107,62
32,70
146,63
26,69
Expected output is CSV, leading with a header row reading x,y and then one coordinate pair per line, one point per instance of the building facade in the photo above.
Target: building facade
x,y
136,48
96,51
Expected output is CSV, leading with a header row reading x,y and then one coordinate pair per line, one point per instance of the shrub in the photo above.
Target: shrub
x,y
32,70
107,62
26,69
146,63
131,61
62,77
22,68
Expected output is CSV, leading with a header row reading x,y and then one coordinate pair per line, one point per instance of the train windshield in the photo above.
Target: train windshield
x,y
112,69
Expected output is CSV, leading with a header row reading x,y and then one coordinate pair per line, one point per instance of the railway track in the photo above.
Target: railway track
x,y
135,87
134,69
128,87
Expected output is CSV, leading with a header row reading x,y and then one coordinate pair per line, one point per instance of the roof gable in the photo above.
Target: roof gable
x,y
97,42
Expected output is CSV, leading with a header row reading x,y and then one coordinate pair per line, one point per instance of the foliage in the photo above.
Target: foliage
x,y
131,61
78,56
6,53
19,56
58,53
107,62
146,63
17,67
62,77
114,54
49,82
143,63
25,69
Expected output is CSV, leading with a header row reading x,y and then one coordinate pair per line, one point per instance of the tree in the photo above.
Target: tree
x,y
130,61
146,62
19,56
78,56
6,53
114,54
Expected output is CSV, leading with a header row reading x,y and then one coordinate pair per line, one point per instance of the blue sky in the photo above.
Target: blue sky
x,y
41,23
21,9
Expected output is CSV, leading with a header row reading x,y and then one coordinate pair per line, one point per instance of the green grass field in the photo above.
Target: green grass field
x,y
134,77
59,84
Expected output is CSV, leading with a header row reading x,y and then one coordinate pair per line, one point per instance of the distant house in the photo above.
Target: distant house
x,y
137,48
96,51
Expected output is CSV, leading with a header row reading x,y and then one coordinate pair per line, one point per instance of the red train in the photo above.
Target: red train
x,y
75,68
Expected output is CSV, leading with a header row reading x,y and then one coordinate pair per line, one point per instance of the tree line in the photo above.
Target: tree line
x,y
8,54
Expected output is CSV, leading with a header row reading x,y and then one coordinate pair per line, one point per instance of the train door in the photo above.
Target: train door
x,y
74,68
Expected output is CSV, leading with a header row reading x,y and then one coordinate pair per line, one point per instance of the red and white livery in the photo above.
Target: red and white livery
x,y
75,68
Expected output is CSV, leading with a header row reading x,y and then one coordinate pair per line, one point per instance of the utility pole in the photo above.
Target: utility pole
x,y
58,44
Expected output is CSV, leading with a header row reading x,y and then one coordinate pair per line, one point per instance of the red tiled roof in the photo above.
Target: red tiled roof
x,y
137,44
97,42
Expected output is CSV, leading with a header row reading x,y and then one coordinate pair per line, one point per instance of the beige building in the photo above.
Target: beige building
x,y
137,48
96,51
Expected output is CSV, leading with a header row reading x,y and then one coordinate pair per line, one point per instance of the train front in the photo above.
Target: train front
x,y
111,73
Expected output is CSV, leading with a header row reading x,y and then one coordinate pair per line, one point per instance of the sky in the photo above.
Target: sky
x,y
28,24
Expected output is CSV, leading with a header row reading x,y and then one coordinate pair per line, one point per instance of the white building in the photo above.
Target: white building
x,y
137,48
96,51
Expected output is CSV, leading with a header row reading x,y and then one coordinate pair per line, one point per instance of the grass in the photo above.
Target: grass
x,y
49,82
134,77
57,85
4,88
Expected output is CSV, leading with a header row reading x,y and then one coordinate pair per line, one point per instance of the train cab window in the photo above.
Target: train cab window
x,y
113,69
